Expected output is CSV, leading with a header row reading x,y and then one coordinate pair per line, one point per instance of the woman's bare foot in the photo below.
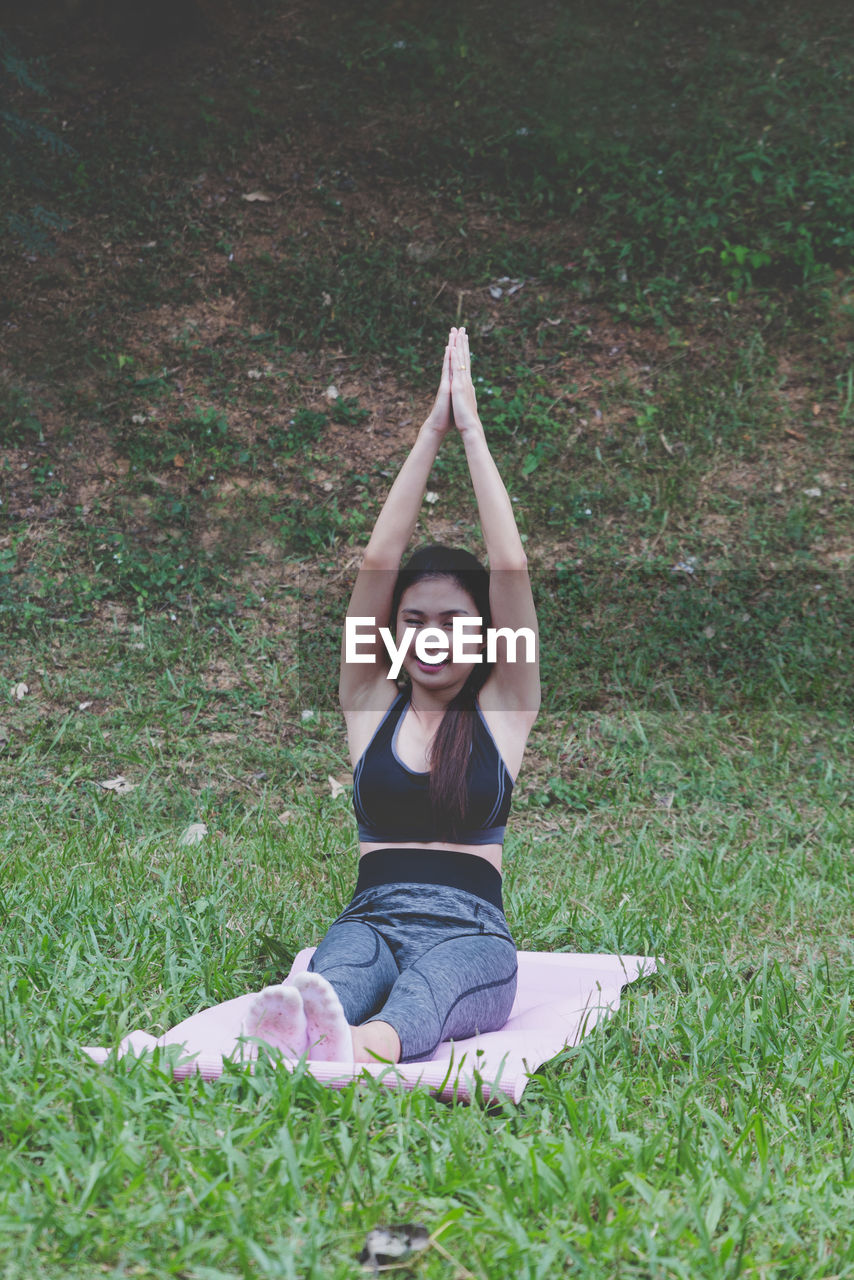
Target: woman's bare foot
x,y
330,1038
277,1017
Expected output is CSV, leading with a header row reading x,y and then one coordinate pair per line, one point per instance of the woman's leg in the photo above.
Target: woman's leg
x,y
412,965
348,979
459,987
356,961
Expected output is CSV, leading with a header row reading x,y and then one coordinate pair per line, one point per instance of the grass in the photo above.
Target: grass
x,y
666,379
703,1132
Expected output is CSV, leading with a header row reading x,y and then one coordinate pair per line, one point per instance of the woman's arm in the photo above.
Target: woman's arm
x,y
513,685
374,587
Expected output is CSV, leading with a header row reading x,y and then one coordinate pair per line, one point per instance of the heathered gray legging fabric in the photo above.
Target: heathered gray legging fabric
x,y
434,962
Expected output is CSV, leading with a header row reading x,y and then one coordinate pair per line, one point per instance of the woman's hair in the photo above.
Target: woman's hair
x,y
451,748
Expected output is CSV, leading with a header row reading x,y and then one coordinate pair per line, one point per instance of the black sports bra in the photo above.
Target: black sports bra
x,y
392,801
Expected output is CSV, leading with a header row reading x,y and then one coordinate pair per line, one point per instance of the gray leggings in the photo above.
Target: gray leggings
x,y
435,962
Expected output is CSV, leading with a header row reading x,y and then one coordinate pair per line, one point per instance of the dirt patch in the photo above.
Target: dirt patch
x,y
123,369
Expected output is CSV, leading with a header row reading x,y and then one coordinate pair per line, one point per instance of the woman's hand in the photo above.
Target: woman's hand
x,y
463,397
440,417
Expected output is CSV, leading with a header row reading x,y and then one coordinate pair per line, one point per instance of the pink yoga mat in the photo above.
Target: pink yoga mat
x,y
560,997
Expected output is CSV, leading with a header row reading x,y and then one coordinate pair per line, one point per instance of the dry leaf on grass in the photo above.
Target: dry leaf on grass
x,y
119,785
389,1246
194,834
337,788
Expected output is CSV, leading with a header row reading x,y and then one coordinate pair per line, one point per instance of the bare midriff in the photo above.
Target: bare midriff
x,y
490,853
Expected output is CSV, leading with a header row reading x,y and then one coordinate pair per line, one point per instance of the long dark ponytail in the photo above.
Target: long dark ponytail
x,y
451,747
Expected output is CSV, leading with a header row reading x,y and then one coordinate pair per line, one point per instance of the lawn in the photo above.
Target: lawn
x,y
218,335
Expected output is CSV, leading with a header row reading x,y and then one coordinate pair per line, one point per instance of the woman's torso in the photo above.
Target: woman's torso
x,y
503,737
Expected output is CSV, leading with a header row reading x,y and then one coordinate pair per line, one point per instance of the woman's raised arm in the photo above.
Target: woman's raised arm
x,y
374,586
513,685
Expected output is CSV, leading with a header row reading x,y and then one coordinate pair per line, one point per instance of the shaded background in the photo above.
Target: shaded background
x,y
234,237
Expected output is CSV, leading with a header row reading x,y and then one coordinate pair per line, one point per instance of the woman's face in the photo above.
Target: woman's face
x,y
434,603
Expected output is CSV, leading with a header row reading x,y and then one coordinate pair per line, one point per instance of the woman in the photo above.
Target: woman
x,y
423,952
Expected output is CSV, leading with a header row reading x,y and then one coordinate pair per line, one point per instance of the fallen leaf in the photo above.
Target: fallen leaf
x,y
337,788
119,785
816,410
177,461
20,691
84,706
194,834
256,197
285,817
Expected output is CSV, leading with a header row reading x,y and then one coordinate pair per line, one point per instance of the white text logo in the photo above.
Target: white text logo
x,y
433,644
